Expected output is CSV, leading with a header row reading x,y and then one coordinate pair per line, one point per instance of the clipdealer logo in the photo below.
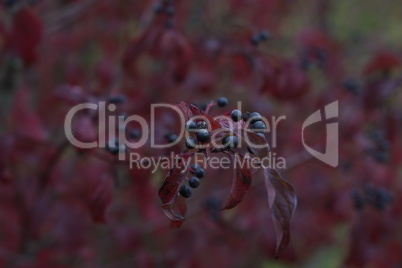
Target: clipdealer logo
x,y
330,113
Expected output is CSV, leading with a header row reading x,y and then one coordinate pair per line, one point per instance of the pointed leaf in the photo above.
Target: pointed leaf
x,y
241,183
282,201
171,185
257,144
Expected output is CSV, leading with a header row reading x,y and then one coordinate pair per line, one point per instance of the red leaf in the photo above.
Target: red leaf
x,y
213,123
178,51
284,80
25,121
282,201
100,198
144,43
171,185
24,35
241,183
182,207
184,109
383,61
253,140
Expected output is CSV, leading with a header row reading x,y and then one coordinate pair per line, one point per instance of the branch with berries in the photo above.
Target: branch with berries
x,y
225,134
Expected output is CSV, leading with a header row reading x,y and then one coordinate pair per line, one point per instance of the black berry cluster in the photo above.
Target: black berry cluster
x,y
254,119
256,123
193,182
380,151
259,37
375,197
166,8
201,133
117,99
230,141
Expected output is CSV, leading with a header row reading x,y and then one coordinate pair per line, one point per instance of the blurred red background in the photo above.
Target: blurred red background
x,y
62,206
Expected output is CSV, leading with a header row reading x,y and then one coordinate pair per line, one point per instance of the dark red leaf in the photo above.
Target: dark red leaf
x,y
282,201
178,50
241,183
25,120
383,61
182,207
213,123
25,35
171,185
184,109
284,79
257,144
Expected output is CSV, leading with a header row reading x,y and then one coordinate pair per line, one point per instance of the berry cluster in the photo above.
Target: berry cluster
x,y
380,151
375,197
202,134
166,8
113,146
193,182
257,38
201,127
254,119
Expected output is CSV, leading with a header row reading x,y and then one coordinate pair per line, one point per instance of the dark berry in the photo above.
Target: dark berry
x,y
185,191
255,40
202,106
169,24
10,3
383,198
170,11
199,173
381,157
246,116
190,143
358,200
213,206
113,146
135,133
118,99
202,135
264,35
230,142
158,9
383,145
236,115
255,117
222,102
113,149
201,125
171,137
352,86
123,116
190,125
258,126
194,167
194,182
